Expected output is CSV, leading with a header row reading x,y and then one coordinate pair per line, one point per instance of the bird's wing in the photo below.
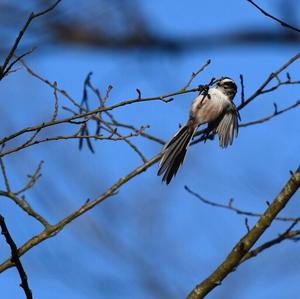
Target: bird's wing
x,y
228,127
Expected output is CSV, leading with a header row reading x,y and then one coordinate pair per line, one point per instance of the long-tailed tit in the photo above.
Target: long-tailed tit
x,y
213,107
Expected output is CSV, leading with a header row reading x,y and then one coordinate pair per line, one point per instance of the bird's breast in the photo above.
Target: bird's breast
x,y
207,108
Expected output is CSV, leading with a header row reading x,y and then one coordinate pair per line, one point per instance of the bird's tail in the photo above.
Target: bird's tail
x,y
174,152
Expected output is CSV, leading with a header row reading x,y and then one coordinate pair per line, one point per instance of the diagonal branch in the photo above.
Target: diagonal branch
x,y
282,23
25,206
52,230
244,245
195,74
32,179
273,75
5,176
15,258
5,68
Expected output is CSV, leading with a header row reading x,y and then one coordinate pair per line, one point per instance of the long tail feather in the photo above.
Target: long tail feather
x,y
174,153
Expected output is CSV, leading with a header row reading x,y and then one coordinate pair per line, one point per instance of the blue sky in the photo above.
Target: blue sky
x,y
153,240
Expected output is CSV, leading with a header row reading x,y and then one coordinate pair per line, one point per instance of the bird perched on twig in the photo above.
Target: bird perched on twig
x,y
214,107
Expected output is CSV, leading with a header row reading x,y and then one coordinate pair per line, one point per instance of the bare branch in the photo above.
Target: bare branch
x,y
194,75
30,140
21,202
115,122
244,245
289,234
25,206
6,180
109,89
274,114
4,69
247,225
131,127
95,111
242,89
9,68
128,102
268,80
54,85
15,258
229,206
52,230
133,146
282,23
280,83
67,137
32,179
55,113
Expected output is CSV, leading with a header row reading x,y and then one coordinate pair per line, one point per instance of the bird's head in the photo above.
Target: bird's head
x,y
227,86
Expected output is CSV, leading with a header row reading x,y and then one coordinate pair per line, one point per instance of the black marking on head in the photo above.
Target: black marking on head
x,y
227,82
229,86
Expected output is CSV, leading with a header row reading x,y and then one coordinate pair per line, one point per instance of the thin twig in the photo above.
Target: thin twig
x,y
107,94
67,137
6,180
33,179
229,206
242,89
132,145
18,58
247,224
133,128
56,105
47,82
282,23
280,83
193,76
30,140
289,234
274,114
116,123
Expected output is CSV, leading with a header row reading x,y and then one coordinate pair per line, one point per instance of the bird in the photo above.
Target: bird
x,y
213,106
